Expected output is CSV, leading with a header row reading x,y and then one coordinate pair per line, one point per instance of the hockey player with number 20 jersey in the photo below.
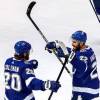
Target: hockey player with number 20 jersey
x,y
20,79
85,76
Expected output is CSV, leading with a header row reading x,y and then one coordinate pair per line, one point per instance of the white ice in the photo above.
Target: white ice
x,y
57,19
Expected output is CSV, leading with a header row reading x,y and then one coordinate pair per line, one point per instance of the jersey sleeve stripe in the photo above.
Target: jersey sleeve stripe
x,y
86,90
28,81
29,97
5,97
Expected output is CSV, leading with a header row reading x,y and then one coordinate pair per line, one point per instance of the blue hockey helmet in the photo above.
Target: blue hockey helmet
x,y
79,36
22,47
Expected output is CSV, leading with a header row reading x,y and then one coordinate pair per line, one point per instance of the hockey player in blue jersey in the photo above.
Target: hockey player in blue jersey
x,y
20,79
85,77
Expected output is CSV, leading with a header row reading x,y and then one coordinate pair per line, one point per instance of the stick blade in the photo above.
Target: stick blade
x,y
30,8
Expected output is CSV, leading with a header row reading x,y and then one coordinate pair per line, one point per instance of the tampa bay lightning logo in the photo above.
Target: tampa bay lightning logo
x,y
83,58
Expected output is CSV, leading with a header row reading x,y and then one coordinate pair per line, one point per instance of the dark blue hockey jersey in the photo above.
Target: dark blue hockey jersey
x,y
20,80
96,4
85,76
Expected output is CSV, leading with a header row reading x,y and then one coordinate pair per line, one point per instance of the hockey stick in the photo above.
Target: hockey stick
x,y
58,78
40,32
67,59
94,10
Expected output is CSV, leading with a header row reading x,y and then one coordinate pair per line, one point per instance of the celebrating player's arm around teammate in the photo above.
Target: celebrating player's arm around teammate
x,y
85,76
20,79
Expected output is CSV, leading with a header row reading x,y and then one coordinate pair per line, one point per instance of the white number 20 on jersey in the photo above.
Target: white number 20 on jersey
x,y
15,81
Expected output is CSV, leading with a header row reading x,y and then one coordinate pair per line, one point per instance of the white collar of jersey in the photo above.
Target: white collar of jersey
x,y
16,59
19,60
87,48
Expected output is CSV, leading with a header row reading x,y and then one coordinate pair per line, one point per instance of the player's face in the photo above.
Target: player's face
x,y
75,44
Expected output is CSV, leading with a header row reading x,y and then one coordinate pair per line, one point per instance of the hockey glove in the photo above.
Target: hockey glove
x,y
33,63
60,44
52,85
50,46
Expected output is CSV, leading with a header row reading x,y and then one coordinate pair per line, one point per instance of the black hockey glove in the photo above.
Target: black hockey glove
x,y
33,63
52,85
50,46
